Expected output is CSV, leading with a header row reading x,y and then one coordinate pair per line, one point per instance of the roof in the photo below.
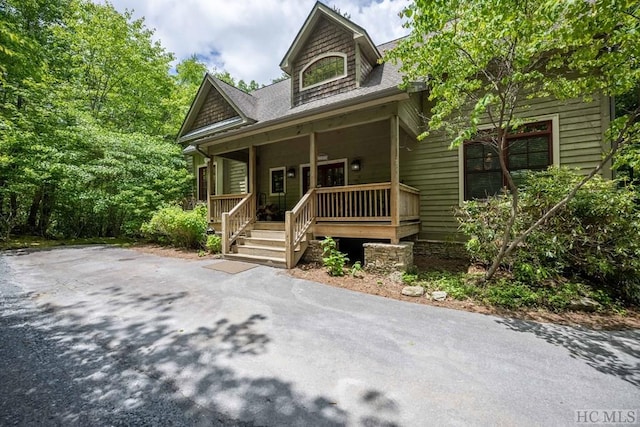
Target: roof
x,y
273,103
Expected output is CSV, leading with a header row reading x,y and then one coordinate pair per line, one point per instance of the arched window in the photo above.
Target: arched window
x,y
323,69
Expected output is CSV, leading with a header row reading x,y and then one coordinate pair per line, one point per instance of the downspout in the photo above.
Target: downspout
x,y
612,117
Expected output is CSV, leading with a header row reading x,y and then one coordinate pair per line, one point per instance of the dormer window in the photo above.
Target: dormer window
x,y
323,69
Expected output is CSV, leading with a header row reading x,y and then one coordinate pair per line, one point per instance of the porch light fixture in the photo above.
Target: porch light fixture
x,y
291,173
355,165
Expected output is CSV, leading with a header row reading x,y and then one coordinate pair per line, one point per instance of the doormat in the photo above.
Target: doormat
x,y
231,267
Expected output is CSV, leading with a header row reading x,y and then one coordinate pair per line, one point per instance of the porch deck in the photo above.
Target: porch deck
x,y
370,211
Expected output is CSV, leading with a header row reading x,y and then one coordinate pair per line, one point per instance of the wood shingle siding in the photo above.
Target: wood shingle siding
x,y
327,37
215,109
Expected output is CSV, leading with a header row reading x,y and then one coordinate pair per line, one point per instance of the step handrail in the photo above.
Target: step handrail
x,y
297,223
237,220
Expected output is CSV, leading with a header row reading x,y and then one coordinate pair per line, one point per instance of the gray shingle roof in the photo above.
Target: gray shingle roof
x,y
273,102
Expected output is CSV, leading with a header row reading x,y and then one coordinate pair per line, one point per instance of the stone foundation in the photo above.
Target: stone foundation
x,y
313,254
440,249
385,258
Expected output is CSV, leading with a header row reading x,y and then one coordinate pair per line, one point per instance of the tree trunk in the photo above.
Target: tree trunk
x,y
32,219
513,189
47,209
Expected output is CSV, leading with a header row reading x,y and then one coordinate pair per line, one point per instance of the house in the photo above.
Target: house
x,y
332,151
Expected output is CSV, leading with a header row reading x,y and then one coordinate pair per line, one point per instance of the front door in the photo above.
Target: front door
x,y
329,175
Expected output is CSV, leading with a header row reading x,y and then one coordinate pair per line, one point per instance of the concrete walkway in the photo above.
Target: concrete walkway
x,y
101,335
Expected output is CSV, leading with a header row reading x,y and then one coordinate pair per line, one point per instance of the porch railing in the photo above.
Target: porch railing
x,y
366,202
236,221
409,203
297,223
221,204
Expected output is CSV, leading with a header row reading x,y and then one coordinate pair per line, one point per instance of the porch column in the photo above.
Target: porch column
x,y
210,183
395,176
313,161
252,171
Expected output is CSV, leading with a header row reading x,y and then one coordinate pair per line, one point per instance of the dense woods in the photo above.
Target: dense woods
x,y
89,109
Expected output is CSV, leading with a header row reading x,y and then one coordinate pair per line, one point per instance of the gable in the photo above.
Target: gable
x,y
326,37
215,109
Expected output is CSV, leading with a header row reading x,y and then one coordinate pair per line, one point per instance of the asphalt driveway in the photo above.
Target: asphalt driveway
x,y
109,336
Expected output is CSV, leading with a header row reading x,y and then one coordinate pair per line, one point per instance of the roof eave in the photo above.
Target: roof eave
x,y
382,95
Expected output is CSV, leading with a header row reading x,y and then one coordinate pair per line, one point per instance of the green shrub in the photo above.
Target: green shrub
x,y
595,237
174,226
332,258
214,244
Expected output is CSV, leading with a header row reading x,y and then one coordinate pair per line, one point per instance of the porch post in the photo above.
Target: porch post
x,y
395,176
313,161
252,170
209,163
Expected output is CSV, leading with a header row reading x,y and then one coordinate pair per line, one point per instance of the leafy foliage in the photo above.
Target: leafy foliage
x,y
332,258
88,113
175,226
595,236
214,244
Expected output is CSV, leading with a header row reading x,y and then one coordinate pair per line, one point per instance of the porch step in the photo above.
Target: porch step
x,y
262,251
268,225
269,261
259,241
266,234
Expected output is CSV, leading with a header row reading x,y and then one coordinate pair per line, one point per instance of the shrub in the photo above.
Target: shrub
x,y
177,227
595,237
332,258
214,244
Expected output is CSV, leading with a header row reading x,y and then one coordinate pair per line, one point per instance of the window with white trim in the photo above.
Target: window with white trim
x,y
530,147
277,181
323,69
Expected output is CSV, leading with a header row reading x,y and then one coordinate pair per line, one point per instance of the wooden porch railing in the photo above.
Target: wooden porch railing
x,y
409,203
366,202
221,204
297,223
236,220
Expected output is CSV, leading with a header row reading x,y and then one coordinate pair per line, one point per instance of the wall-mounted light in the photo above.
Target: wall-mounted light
x,y
355,165
291,173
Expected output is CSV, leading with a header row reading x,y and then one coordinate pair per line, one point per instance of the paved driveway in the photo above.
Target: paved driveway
x,y
100,335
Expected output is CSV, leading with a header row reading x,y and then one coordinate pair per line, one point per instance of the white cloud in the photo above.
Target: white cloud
x,y
248,38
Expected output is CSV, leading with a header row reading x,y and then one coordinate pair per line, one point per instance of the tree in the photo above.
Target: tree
x,y
484,60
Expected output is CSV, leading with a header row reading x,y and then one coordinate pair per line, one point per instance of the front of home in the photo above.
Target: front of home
x,y
332,151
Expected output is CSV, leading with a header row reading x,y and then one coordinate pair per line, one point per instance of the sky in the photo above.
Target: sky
x,y
249,38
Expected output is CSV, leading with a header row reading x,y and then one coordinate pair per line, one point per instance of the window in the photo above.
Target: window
x,y
323,69
530,148
277,181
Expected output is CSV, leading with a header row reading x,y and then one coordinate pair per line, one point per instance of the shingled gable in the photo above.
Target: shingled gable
x,y
362,39
217,107
328,36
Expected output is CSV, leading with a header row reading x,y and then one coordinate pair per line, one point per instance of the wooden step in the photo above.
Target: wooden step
x,y
266,234
269,261
266,251
268,225
258,241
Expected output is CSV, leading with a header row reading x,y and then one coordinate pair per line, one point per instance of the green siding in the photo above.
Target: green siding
x,y
235,177
431,167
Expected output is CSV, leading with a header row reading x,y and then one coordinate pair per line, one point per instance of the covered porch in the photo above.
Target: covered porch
x,y
350,203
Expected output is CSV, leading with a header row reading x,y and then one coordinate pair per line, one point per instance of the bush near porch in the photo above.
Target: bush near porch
x,y
590,248
177,227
